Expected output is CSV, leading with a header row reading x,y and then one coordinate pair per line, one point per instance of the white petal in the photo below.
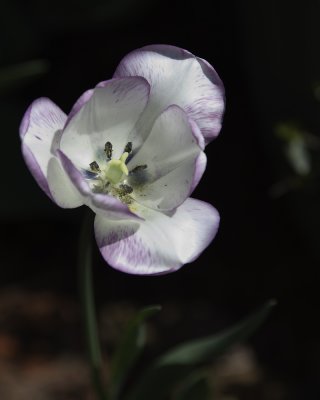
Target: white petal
x,y
107,206
61,188
177,77
40,130
159,244
170,152
82,100
109,115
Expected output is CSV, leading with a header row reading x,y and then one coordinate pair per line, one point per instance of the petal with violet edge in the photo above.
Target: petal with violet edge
x,y
160,244
109,115
108,206
170,153
177,77
39,131
63,192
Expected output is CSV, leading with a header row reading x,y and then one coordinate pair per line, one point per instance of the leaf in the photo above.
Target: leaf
x,y
297,143
299,156
159,380
193,387
129,348
18,74
204,349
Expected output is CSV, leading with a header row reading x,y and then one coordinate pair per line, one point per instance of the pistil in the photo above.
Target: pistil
x,y
116,169
111,177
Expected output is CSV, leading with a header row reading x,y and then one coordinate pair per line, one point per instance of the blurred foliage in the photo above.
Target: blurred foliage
x,y
300,148
15,76
129,349
296,147
195,387
181,369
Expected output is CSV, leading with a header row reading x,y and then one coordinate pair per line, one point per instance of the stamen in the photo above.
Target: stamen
x,y
94,166
110,177
138,168
128,148
108,150
126,188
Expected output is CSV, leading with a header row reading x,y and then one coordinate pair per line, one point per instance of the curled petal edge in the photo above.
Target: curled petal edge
x,y
99,203
161,244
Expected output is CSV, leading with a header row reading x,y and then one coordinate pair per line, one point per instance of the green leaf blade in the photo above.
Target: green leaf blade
x,y
17,75
204,349
175,366
129,349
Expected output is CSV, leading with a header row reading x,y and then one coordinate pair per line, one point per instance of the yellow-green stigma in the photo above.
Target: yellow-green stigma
x,y
115,169
111,177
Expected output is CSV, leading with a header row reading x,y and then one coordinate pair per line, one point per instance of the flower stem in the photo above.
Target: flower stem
x,y
88,304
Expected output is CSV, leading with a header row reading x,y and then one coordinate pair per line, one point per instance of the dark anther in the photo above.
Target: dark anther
x,y
138,168
128,148
126,188
94,166
108,149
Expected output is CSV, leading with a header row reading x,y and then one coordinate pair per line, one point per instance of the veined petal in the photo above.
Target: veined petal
x,y
177,77
170,153
40,132
200,167
102,204
62,190
109,115
82,100
160,244
35,169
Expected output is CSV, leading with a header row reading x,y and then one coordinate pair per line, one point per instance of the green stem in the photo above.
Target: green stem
x,y
88,304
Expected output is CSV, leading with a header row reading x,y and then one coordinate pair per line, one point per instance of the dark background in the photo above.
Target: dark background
x,y
267,54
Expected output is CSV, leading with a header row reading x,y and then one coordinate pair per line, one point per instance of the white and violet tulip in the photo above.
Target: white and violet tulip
x,y
132,149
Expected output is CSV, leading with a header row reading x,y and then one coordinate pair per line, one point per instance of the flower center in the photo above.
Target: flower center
x,y
115,169
111,177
